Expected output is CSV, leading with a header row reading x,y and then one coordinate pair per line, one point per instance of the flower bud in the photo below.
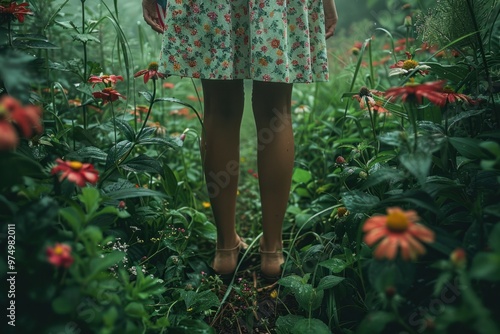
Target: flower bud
x,y
458,257
408,21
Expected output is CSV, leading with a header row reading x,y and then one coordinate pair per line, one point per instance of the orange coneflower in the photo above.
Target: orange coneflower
x,y
397,230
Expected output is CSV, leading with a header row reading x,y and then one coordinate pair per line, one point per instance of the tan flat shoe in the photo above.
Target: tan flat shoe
x,y
270,264
226,260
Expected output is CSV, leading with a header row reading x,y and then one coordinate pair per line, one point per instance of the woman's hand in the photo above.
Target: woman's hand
x,y
151,15
331,17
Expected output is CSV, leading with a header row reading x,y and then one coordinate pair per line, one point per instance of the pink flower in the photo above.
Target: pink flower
x,y
76,172
397,229
60,255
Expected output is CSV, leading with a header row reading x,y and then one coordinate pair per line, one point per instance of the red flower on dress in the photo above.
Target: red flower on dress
x,y
25,118
108,80
60,255
151,73
15,11
108,94
433,91
397,230
76,172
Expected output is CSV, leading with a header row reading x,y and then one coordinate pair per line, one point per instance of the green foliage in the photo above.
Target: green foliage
x,y
142,236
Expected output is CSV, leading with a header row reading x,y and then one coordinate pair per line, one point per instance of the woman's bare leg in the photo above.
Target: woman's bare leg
x,y
223,110
272,111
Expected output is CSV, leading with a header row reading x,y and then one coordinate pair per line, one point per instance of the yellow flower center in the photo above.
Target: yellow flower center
x,y
153,66
410,64
4,113
75,165
397,221
58,250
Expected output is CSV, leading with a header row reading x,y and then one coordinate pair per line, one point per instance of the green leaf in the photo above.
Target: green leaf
x,y
200,301
74,216
468,147
143,163
89,152
382,175
159,141
133,193
301,175
147,95
329,282
335,265
125,128
486,266
191,326
34,44
310,326
117,152
359,202
136,310
67,302
418,164
393,138
292,281
455,73
308,297
93,233
85,38
285,324
104,263
90,197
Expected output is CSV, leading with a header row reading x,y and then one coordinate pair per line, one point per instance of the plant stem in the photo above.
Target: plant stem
x,y
412,116
85,121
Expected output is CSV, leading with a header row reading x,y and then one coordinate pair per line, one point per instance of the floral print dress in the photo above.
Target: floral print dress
x,y
265,40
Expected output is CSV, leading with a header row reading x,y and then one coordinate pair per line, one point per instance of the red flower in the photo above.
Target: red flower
x,y
108,94
150,73
398,229
15,11
108,80
60,255
450,96
433,91
26,120
76,172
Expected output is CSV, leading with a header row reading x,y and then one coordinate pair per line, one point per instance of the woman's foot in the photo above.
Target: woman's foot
x,y
270,263
226,260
